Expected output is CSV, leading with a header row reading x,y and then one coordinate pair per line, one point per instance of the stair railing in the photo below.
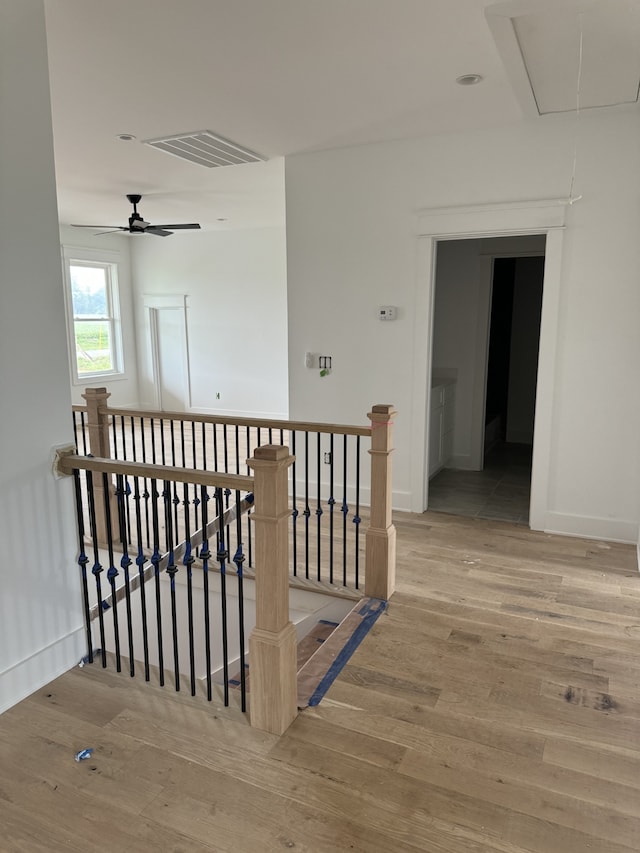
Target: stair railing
x,y
272,644
327,504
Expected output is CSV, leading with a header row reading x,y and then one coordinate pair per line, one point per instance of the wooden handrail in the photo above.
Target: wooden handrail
x,y
265,423
67,463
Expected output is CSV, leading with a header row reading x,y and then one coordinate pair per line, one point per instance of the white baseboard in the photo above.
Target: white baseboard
x,y
401,501
461,462
25,677
587,527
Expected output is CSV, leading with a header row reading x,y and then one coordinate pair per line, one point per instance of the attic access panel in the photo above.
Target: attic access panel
x,y
541,51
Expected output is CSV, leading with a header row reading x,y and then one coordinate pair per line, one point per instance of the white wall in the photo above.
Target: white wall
x,y
351,243
235,282
41,633
124,388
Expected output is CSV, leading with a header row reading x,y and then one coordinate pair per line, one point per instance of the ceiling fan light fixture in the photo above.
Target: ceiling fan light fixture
x,y
469,79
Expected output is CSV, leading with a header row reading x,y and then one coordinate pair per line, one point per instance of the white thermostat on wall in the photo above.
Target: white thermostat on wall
x,y
387,312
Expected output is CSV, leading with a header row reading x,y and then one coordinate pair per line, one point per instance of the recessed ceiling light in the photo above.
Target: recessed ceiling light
x,y
469,79
126,137
222,219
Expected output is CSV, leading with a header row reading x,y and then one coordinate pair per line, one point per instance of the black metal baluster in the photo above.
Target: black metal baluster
x,y
237,428
175,498
155,561
162,444
182,445
152,427
249,521
146,487
171,571
226,448
205,556
356,517
307,511
345,511
82,562
215,447
140,562
114,436
331,503
132,432
188,562
196,499
84,433
238,559
125,562
127,483
122,438
294,512
185,496
222,559
270,435
112,572
318,498
97,568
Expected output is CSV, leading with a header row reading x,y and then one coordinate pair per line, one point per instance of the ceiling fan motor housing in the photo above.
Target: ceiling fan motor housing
x,y
137,223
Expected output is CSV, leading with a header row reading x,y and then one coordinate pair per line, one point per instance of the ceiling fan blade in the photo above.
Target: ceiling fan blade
x,y
110,227
182,227
157,230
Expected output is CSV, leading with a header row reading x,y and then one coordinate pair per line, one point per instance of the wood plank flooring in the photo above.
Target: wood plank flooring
x,y
494,707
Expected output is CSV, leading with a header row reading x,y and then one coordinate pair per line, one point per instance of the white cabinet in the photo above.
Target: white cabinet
x,y
441,422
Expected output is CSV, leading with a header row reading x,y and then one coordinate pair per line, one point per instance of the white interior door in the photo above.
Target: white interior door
x,y
171,367
170,353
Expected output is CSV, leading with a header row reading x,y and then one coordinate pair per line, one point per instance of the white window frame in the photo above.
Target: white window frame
x,y
107,260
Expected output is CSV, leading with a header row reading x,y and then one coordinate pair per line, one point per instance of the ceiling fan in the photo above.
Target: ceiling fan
x,y
137,224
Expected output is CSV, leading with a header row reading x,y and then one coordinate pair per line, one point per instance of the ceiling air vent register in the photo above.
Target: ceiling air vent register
x,y
205,149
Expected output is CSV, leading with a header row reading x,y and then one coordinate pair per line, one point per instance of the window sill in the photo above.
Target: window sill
x,y
93,378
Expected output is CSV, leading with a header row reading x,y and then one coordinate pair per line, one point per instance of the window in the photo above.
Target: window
x,y
93,317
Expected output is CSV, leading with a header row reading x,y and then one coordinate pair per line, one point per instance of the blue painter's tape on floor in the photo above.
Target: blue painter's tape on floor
x,y
369,613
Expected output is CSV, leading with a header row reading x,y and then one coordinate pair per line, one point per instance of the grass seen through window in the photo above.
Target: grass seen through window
x,y
93,347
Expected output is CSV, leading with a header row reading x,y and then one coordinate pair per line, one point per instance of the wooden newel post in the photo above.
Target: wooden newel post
x,y
380,554
100,446
272,644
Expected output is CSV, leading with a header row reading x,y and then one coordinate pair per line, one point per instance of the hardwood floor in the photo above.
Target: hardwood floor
x,y
494,707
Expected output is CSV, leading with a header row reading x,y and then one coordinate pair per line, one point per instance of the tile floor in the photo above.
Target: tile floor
x,y
501,491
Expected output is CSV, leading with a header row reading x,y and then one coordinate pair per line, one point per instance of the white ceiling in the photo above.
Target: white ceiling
x,y
279,77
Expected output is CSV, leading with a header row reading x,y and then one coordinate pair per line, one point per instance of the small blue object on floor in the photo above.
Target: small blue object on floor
x,y
83,754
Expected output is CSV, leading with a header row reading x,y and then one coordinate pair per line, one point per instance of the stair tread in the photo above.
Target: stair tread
x,y
307,647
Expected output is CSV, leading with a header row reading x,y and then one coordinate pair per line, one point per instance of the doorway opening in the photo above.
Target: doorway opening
x,y
486,337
